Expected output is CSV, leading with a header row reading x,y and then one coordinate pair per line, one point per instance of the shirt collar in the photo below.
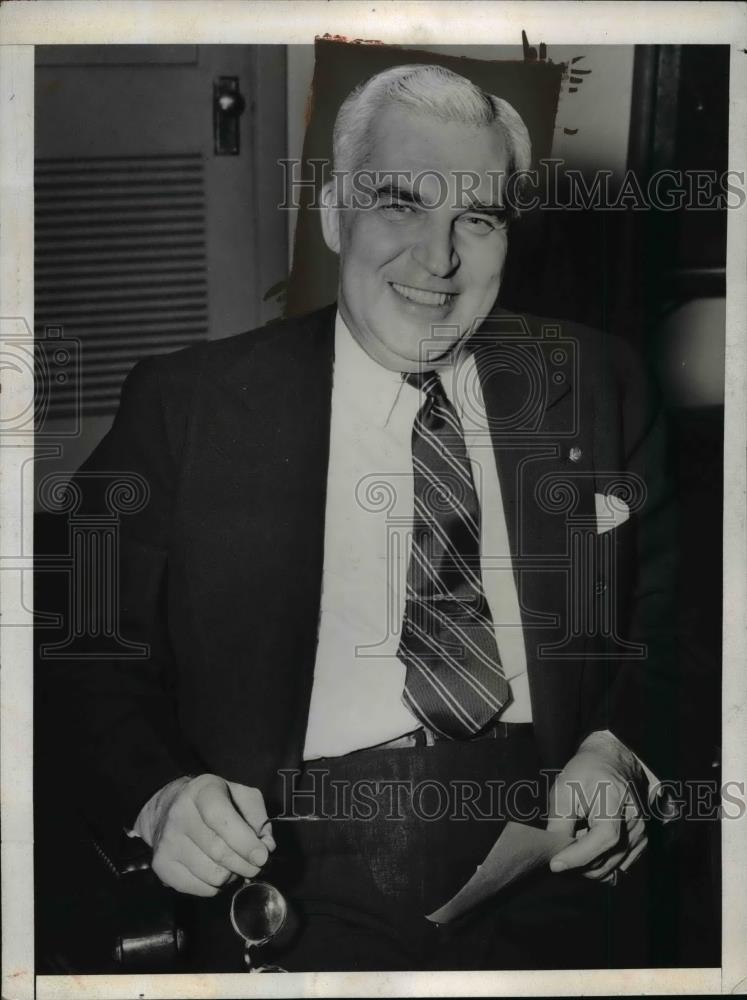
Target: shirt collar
x,y
384,388
368,383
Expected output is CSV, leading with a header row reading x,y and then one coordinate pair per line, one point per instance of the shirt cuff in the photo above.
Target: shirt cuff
x,y
144,825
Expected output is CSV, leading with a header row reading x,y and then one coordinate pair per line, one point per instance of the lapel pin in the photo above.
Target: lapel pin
x,y
575,454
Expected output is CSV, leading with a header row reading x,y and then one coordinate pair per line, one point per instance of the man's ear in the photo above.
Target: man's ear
x,y
331,216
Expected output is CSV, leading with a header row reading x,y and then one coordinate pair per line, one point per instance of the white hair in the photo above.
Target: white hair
x,y
432,90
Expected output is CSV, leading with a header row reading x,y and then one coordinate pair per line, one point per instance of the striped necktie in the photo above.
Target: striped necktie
x,y
454,683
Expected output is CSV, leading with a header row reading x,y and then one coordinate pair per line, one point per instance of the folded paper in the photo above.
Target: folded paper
x,y
518,851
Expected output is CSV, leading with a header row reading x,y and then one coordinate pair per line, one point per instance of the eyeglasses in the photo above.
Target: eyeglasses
x,y
259,912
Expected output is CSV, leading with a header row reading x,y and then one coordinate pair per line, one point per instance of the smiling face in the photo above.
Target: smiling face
x,y
426,260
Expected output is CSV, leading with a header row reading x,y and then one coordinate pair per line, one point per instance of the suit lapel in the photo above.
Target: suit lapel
x,y
531,405
254,518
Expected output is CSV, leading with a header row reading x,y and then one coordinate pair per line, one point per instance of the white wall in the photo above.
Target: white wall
x,y
692,353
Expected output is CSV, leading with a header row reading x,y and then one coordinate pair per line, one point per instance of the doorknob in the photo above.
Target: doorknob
x,y
228,105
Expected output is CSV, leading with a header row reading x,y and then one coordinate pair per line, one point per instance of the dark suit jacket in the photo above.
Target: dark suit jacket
x,y
221,568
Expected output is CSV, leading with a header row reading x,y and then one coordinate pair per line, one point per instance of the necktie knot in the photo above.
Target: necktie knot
x,y
427,382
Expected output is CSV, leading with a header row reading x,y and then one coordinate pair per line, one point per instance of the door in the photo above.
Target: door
x,y
146,238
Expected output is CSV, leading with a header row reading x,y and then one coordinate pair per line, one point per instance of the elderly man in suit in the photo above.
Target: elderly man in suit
x,y
404,551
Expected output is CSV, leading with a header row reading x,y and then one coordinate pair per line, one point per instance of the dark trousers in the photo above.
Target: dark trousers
x,y
400,832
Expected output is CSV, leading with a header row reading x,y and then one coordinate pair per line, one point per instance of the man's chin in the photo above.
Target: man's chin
x,y
429,353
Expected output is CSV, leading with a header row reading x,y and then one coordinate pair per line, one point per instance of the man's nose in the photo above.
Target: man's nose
x,y
436,251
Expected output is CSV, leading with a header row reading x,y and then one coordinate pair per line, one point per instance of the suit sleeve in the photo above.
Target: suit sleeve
x,y
127,737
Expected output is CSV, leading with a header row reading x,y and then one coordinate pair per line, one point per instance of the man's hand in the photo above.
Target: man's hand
x,y
602,784
205,832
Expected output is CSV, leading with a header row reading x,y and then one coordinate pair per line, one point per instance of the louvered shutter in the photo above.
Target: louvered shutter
x,y
120,261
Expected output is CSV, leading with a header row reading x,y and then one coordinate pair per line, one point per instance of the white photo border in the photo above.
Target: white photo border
x,y
23,25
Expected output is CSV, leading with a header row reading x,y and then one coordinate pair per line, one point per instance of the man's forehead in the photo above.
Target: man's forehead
x,y
427,152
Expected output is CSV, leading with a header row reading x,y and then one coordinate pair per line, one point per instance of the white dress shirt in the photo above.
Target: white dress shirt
x,y
356,699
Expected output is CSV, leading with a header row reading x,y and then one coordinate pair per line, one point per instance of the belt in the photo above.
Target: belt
x,y
423,737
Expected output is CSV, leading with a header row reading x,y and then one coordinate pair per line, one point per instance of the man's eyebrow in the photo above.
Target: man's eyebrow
x,y
487,209
413,198
395,191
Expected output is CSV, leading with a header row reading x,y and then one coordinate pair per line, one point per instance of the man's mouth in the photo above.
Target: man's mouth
x,y
422,296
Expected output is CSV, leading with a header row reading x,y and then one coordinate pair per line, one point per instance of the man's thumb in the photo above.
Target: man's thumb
x,y
562,815
251,805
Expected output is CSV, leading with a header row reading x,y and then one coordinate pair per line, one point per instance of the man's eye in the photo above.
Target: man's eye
x,y
481,224
397,207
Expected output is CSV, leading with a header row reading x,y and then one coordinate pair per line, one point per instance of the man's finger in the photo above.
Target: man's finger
x,y
634,854
251,804
179,877
612,878
218,812
620,859
201,865
609,865
601,838
632,819
636,832
215,847
185,881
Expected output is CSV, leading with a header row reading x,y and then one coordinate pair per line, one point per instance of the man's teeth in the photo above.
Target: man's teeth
x,y
421,296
